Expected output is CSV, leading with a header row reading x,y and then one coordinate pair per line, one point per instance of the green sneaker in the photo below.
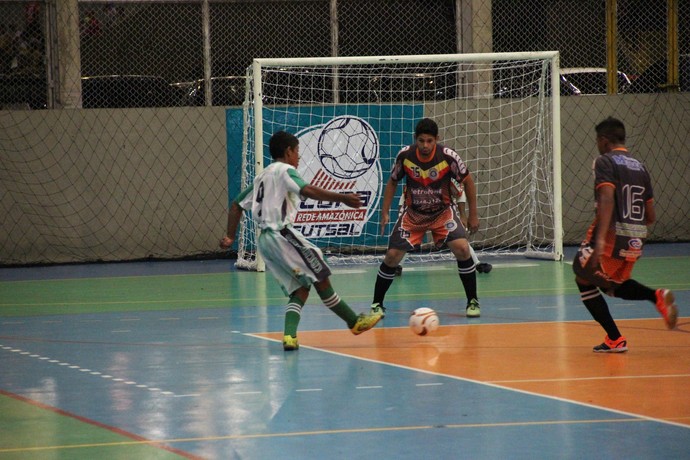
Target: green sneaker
x,y
365,322
378,308
472,310
290,343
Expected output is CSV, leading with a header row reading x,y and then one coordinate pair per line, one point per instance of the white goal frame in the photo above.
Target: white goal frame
x,y
256,104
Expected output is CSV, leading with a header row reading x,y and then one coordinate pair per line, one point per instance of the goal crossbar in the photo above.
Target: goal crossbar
x,y
406,59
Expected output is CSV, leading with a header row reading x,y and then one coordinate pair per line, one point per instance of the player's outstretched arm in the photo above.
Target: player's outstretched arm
x,y
234,216
471,196
650,213
388,195
350,199
605,208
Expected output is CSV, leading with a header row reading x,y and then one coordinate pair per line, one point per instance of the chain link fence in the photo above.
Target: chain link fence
x,y
113,123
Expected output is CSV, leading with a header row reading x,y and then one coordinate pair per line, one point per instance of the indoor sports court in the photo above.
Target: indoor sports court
x,y
184,360
127,127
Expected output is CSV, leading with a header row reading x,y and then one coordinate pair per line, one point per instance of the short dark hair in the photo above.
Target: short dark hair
x,y
612,129
426,126
280,142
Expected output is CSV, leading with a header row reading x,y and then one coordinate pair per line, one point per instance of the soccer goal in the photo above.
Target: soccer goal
x,y
499,111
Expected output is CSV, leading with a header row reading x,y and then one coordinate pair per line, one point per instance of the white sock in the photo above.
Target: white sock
x,y
473,255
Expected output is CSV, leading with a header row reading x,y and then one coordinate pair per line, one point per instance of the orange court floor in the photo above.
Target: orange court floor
x,y
514,356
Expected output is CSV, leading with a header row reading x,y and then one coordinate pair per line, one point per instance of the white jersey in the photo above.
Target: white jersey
x,y
274,196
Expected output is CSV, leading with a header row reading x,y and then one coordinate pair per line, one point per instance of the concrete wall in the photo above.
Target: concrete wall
x,y
658,131
81,185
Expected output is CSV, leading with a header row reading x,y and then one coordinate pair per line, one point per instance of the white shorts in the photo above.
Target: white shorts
x,y
292,259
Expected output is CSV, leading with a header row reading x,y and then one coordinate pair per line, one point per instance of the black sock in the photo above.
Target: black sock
x,y
384,279
632,290
468,276
599,309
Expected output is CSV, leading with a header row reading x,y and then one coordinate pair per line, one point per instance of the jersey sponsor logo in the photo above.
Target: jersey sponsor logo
x,y
633,251
629,162
426,176
341,155
635,243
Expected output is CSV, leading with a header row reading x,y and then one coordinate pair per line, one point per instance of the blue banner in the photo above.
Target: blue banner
x,y
343,148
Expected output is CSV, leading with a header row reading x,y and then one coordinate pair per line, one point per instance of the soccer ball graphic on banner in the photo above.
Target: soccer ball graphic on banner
x,y
423,321
348,147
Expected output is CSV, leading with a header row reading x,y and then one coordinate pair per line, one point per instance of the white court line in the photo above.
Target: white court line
x,y
611,377
81,369
496,384
435,268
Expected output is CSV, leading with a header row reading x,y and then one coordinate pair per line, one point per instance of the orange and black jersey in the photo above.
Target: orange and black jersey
x,y
632,190
428,182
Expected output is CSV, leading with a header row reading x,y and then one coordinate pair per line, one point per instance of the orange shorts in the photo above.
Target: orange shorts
x,y
618,270
609,274
408,232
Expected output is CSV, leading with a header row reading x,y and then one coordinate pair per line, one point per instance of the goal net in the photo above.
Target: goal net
x,y
353,114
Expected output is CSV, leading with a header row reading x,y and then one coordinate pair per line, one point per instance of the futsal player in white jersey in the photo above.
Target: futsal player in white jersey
x,y
292,259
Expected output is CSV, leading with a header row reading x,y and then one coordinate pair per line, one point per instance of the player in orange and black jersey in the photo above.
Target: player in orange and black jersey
x,y
428,168
624,208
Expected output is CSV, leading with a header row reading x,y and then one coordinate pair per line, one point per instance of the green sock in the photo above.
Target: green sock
x,y
338,306
293,313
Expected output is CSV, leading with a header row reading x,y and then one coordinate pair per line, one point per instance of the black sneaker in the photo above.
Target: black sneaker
x,y
484,267
620,345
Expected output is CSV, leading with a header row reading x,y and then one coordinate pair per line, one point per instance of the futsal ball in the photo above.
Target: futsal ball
x,y
423,321
348,147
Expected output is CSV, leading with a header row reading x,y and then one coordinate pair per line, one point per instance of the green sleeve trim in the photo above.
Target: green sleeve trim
x,y
294,175
243,194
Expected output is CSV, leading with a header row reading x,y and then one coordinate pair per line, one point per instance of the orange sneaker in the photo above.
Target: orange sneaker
x,y
620,345
666,305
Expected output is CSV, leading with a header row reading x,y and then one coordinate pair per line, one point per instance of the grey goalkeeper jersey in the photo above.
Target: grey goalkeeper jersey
x,y
273,198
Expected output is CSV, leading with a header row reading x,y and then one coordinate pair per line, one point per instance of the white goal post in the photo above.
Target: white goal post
x,y
499,111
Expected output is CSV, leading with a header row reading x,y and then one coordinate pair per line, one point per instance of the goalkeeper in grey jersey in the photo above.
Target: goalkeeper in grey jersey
x,y
292,259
